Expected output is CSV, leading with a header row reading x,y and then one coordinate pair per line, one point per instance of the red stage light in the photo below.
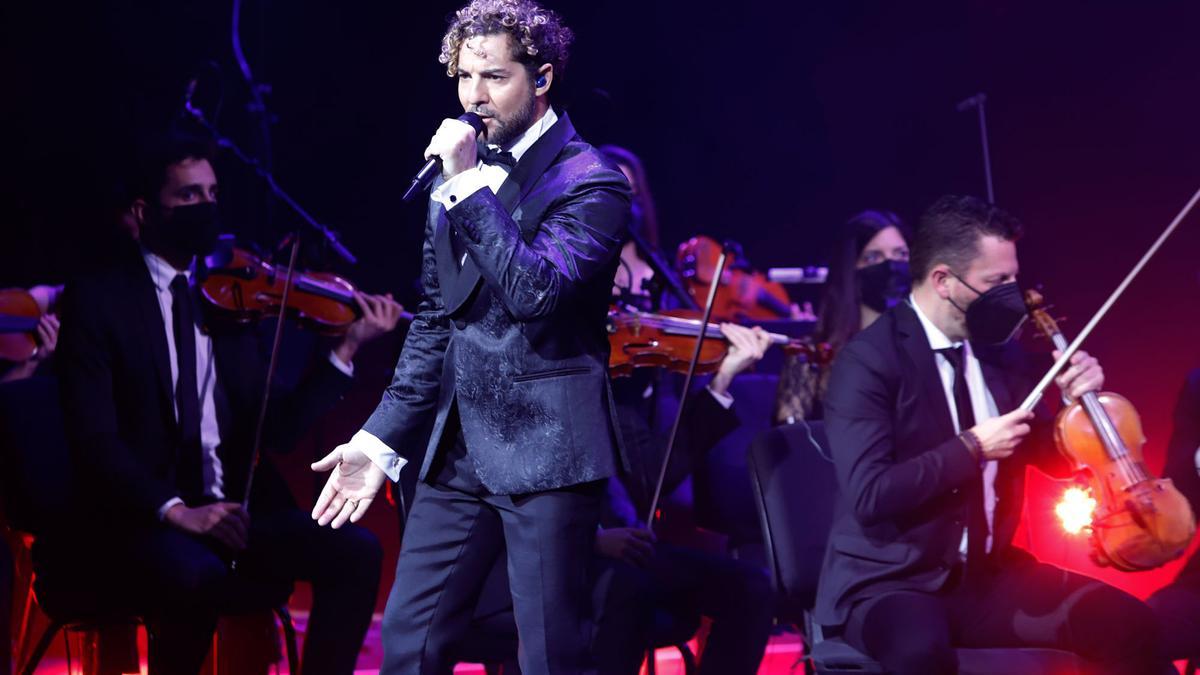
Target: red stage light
x,y
1075,508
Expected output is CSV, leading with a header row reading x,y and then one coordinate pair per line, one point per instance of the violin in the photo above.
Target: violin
x,y
19,315
243,287
1141,521
744,294
667,340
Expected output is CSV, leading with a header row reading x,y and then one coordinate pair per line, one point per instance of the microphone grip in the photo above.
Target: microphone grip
x,y
433,165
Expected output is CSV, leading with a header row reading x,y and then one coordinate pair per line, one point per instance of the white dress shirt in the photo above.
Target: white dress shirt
x,y
162,273
448,194
982,405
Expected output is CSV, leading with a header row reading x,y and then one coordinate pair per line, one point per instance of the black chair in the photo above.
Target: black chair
x,y
37,488
795,488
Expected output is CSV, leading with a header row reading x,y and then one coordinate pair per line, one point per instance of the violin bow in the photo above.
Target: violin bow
x,y
687,384
1036,394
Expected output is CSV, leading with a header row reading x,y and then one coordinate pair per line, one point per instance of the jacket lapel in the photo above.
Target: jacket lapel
x,y
923,364
458,284
153,327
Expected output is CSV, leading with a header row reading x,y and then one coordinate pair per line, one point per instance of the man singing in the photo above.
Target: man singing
x,y
930,449
508,354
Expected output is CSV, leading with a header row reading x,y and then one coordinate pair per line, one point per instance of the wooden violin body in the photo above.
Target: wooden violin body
x,y
668,339
246,288
1141,521
744,294
19,314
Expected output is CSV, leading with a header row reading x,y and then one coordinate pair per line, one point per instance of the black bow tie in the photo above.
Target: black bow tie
x,y
496,156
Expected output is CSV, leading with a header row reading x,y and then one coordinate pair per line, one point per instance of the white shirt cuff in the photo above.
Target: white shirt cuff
x,y
459,187
379,453
347,368
162,510
725,400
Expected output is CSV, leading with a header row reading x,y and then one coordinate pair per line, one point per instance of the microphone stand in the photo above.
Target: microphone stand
x,y
259,107
977,102
661,269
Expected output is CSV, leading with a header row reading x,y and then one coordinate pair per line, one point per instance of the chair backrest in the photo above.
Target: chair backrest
x,y
795,490
34,458
724,499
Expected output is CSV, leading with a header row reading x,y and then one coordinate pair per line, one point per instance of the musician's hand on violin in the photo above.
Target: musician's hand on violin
x,y
746,348
1000,435
227,522
47,337
380,314
1083,375
351,487
454,142
631,544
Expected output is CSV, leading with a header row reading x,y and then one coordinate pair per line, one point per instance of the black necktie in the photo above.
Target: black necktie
x,y
496,156
190,475
977,527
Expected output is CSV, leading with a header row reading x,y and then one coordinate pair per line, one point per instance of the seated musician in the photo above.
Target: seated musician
x,y
930,448
161,407
1178,604
643,575
868,273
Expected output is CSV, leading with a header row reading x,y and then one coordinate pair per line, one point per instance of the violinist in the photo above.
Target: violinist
x,y
1178,604
160,410
931,465
868,273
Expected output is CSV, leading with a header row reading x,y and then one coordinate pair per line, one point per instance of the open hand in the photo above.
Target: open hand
x,y
350,489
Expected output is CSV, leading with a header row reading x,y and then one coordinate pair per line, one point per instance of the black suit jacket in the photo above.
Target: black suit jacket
x,y
118,400
516,337
904,474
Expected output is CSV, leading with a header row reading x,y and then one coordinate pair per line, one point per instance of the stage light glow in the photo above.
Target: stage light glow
x,y
1075,508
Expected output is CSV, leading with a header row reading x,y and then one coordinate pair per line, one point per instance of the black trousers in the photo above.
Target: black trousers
x,y
1018,603
456,530
1177,606
683,582
181,583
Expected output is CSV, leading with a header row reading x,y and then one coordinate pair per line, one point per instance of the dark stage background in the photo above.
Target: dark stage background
x,y
769,122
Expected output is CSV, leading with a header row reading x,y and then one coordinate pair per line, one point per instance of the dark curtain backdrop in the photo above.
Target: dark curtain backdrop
x,y
768,122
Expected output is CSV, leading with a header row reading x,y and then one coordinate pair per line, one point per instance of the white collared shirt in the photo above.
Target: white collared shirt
x,y
448,194
162,273
982,405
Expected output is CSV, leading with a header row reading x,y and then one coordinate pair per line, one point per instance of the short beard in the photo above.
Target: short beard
x,y
509,130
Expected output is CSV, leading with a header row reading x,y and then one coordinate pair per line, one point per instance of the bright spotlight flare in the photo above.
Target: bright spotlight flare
x,y
1075,509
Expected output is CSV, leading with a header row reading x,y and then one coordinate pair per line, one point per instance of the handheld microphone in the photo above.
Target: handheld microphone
x,y
433,166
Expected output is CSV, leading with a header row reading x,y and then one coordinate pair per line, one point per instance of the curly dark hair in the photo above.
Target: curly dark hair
x,y
949,233
538,35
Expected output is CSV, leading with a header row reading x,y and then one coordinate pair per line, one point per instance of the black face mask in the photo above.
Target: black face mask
x,y
884,285
996,315
191,229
